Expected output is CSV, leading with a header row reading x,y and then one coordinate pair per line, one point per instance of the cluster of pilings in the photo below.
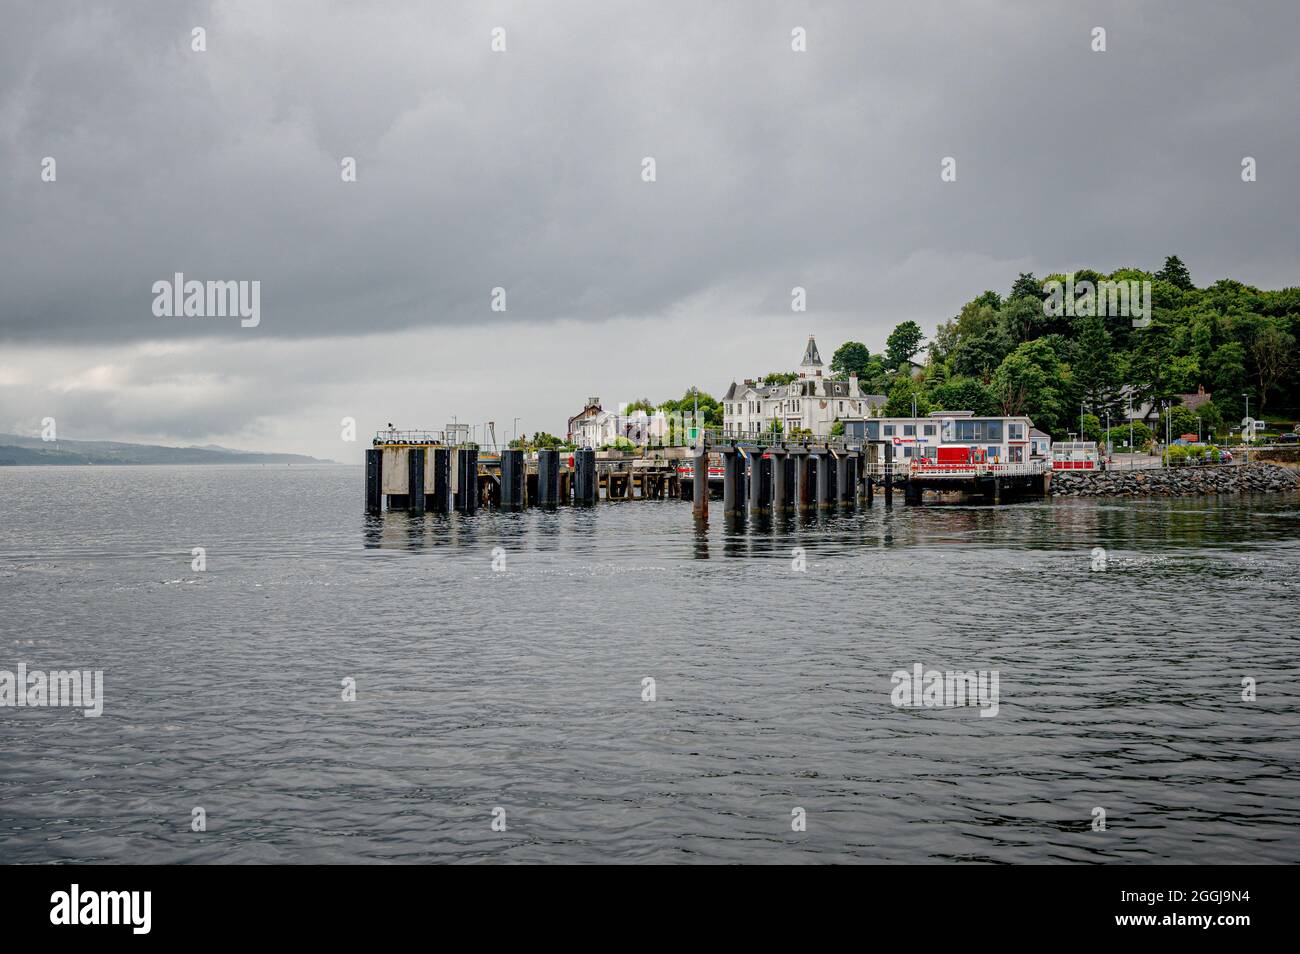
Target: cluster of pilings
x,y
440,479
791,477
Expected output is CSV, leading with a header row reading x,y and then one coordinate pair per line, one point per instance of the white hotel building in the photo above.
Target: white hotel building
x,y
812,402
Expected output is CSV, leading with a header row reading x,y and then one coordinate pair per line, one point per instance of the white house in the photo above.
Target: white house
x,y
606,427
812,402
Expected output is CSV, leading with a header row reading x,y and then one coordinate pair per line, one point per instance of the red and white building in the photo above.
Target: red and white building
x,y
949,435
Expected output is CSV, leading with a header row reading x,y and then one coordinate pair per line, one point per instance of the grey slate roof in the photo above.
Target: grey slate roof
x,y
810,354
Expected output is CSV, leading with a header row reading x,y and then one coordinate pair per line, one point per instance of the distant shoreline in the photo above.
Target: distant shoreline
x,y
30,452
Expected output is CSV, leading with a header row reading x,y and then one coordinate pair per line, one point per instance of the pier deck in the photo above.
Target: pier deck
x,y
415,471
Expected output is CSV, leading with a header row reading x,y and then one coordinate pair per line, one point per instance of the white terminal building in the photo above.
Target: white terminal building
x,y
1001,440
812,402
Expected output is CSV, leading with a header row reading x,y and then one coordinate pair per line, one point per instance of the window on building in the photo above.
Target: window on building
x,y
889,430
929,430
1015,432
909,430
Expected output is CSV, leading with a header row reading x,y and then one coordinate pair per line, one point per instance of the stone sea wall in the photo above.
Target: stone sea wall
x,y
1176,481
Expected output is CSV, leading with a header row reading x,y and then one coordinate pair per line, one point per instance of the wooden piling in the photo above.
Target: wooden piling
x,y
760,483
548,478
700,483
439,500
512,479
889,475
374,480
585,487
467,479
780,479
805,472
415,459
731,477
823,481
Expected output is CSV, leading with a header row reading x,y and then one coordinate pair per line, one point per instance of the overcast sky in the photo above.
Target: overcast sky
x,y
523,169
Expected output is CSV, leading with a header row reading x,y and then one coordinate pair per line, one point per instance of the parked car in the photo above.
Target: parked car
x,y
1290,438
1225,457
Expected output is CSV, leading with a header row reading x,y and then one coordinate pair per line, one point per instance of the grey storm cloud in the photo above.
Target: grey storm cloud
x,y
522,169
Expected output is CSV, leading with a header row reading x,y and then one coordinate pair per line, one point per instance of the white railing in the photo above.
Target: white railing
x,y
979,469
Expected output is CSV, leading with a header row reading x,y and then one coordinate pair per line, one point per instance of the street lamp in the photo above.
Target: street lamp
x,y
1198,429
516,440
1130,422
1244,428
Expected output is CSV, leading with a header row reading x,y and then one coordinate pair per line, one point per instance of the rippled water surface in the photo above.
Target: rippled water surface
x,y
522,689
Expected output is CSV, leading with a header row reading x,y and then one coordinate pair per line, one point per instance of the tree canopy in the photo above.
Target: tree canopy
x,y
1017,355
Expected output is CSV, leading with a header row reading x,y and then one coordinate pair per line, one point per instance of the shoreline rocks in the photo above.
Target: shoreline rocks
x,y
1176,481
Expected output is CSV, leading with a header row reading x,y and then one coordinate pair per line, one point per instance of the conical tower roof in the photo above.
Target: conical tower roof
x,y
811,358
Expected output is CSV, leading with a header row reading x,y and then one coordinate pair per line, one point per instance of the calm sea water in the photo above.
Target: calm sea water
x,y
522,689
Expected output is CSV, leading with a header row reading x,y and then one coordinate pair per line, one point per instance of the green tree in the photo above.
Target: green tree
x,y
1119,437
904,388
710,408
903,342
1027,286
779,377
544,441
1031,381
1094,367
963,394
1274,353
1181,421
852,357
1176,274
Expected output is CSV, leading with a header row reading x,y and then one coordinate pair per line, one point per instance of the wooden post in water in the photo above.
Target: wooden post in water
x,y
824,471
440,461
415,458
512,479
700,482
548,477
467,479
731,477
804,470
889,475
760,483
780,484
585,490
843,468
374,480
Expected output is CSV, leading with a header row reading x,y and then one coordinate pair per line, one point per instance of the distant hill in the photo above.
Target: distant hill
x,y
16,450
